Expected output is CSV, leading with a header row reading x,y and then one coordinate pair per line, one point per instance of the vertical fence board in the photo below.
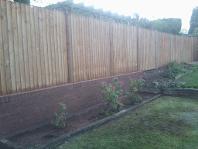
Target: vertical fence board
x,y
64,44
45,47
52,47
33,49
55,52
60,69
29,41
6,47
25,46
49,54
38,53
10,45
20,48
16,47
2,57
41,48
195,49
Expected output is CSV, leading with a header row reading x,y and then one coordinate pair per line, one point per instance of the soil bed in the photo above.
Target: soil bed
x,y
47,133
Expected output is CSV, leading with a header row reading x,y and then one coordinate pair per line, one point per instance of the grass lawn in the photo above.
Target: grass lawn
x,y
167,123
191,79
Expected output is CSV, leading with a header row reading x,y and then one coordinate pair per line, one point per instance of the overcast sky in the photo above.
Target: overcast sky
x,y
150,9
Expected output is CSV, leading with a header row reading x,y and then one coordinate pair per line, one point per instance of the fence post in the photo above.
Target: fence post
x,y
69,46
111,49
138,62
195,48
156,65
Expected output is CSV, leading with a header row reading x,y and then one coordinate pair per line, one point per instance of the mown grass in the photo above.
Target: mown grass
x,y
191,79
167,123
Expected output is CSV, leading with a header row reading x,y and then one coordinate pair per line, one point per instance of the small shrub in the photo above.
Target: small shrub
x,y
60,117
173,69
162,85
165,84
34,146
134,87
111,93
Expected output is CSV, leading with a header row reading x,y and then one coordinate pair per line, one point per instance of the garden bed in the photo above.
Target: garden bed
x,y
174,77
44,135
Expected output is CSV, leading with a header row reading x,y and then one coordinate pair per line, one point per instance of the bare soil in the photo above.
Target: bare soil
x,y
47,133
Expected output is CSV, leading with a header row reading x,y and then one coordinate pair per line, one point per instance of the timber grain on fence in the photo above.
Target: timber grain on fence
x,y
41,48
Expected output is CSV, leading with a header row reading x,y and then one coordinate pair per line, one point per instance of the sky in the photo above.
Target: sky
x,y
150,9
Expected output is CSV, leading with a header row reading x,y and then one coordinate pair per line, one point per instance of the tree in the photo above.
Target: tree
x,y
170,25
145,23
195,32
23,1
193,21
142,22
135,19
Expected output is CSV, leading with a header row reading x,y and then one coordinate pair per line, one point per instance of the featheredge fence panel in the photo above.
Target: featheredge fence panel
x,y
162,49
90,45
146,49
33,51
123,48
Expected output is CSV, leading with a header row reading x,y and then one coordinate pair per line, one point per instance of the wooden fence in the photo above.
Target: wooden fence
x,y
41,48
32,47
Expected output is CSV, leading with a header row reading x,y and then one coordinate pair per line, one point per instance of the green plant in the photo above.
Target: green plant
x,y
60,117
169,25
111,93
34,146
23,1
162,85
193,21
173,69
165,84
134,87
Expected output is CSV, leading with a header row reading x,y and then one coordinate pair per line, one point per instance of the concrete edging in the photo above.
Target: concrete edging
x,y
174,91
181,91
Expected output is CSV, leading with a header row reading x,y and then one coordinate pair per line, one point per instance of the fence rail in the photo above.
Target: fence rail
x,y
41,48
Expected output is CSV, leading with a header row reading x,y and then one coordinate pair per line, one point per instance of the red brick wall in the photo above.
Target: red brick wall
x,y
31,109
